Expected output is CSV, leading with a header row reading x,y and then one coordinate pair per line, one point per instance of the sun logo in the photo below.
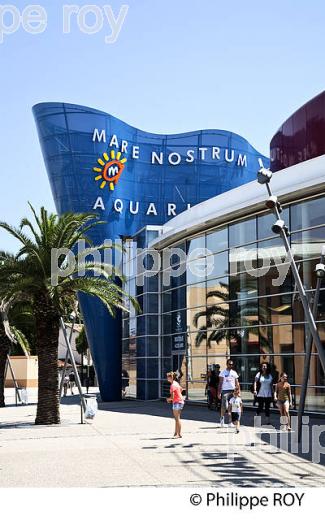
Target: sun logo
x,y
111,167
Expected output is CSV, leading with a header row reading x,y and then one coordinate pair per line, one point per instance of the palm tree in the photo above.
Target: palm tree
x,y
16,328
30,274
224,323
82,342
5,345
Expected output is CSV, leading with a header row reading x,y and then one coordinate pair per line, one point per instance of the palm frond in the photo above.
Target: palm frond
x,y
21,339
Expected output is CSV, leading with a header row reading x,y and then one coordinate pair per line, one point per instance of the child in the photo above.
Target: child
x,y
283,399
177,399
236,409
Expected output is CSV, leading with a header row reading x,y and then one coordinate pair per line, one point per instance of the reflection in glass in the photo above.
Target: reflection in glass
x,y
195,295
243,313
307,214
266,221
243,286
217,290
195,243
276,280
277,339
243,259
242,233
217,241
196,271
308,244
210,317
276,309
217,265
271,252
307,273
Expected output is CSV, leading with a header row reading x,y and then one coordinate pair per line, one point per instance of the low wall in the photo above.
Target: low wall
x,y
25,370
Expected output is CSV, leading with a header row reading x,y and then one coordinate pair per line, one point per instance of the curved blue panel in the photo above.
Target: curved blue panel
x,y
153,178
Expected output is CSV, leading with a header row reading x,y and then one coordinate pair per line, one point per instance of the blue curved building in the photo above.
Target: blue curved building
x,y
133,180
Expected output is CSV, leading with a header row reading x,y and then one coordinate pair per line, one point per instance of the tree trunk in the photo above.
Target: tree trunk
x,y
4,351
47,339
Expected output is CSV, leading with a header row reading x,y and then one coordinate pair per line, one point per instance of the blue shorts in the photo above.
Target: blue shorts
x,y
178,406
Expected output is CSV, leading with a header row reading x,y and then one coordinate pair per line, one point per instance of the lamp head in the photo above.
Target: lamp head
x,y
279,226
273,202
320,270
264,175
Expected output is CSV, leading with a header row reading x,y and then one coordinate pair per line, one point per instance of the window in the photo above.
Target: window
x,y
217,241
308,214
242,233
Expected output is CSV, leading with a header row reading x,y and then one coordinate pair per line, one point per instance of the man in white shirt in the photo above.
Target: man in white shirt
x,y
228,381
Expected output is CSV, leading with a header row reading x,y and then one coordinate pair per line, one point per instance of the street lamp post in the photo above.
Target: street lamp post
x,y
74,366
320,272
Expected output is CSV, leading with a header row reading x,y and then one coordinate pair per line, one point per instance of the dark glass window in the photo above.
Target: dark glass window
x,y
151,283
166,346
242,286
276,280
243,313
275,309
152,368
175,255
167,301
307,273
151,302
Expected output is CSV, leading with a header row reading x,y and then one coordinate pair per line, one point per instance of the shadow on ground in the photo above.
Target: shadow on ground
x,y
310,450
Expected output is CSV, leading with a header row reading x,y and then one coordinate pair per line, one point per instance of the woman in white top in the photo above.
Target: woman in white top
x,y
263,390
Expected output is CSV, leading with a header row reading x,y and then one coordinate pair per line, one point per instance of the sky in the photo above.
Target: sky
x,y
175,66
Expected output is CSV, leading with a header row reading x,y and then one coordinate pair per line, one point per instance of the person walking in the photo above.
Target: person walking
x,y
228,381
283,398
177,400
236,409
212,388
66,384
125,381
263,390
72,381
87,384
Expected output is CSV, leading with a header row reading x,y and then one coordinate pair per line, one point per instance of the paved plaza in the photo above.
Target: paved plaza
x,y
129,444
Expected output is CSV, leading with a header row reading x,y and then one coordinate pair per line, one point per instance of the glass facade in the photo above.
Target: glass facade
x,y
233,295
140,329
